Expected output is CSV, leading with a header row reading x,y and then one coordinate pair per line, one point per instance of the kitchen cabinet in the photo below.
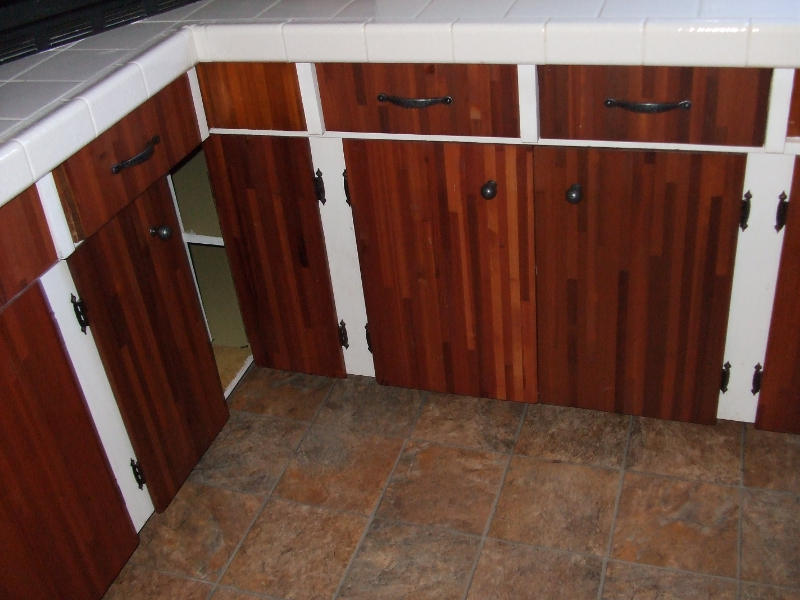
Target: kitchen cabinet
x,y
779,399
134,278
65,530
793,128
445,240
634,253
267,206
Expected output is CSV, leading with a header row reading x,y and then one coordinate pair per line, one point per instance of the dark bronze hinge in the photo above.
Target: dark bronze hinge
x,y
319,187
780,213
744,217
369,339
343,335
138,474
346,188
726,377
79,306
756,379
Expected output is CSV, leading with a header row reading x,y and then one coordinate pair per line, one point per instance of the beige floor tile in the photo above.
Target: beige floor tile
x,y
339,469
702,452
435,485
410,561
509,571
680,524
772,460
196,535
625,581
557,505
470,422
140,583
296,552
561,433
771,538
281,393
250,453
361,405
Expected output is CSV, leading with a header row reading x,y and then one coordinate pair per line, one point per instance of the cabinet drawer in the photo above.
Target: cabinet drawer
x,y
725,106
359,97
104,176
26,249
251,95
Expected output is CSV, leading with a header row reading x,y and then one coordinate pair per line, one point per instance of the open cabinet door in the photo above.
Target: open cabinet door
x,y
64,528
149,328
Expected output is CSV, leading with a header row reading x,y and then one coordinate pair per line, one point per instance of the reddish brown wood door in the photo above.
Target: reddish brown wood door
x,y
634,280
448,275
146,319
64,527
268,211
779,400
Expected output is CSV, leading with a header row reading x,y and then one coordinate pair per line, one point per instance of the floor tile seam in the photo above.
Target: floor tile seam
x,y
521,544
732,486
246,592
458,446
176,574
739,536
572,463
332,509
431,527
265,416
675,570
495,503
615,512
777,586
371,517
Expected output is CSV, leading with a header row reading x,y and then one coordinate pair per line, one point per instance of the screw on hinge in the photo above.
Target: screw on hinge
x,y
343,335
757,372
726,377
745,215
346,188
319,187
79,306
138,474
780,213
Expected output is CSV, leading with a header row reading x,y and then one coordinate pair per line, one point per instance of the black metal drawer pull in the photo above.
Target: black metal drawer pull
x,y
414,102
143,156
647,107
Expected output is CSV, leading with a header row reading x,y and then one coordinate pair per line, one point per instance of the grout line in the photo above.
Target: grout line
x,y
743,438
372,516
495,503
674,570
260,511
607,556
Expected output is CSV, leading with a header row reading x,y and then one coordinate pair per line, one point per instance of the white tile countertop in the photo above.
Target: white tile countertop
x,y
53,103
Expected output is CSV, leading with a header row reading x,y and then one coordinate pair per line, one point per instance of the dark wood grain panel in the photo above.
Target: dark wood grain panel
x,y
448,275
634,281
793,129
273,236
240,95
26,248
65,530
779,400
729,106
150,332
485,98
92,194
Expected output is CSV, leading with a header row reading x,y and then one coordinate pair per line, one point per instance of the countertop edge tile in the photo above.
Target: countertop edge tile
x,y
409,42
617,41
238,42
16,174
170,58
115,96
774,44
696,42
338,41
502,42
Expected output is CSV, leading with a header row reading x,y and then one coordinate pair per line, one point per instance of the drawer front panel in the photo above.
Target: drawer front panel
x,y
484,98
727,106
251,96
26,249
103,177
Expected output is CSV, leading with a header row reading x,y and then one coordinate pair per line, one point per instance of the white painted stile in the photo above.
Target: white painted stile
x,y
58,286
309,94
54,214
754,277
780,100
340,243
197,99
528,103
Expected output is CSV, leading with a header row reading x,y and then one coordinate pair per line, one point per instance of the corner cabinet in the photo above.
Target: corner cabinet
x,y
134,278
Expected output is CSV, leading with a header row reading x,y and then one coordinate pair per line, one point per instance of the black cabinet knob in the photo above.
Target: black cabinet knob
x,y
163,232
574,193
489,189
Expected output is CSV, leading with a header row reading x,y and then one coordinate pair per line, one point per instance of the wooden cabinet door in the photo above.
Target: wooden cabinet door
x,y
64,527
146,318
634,280
268,211
448,275
779,400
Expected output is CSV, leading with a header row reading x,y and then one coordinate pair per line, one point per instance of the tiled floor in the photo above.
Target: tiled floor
x,y
321,488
